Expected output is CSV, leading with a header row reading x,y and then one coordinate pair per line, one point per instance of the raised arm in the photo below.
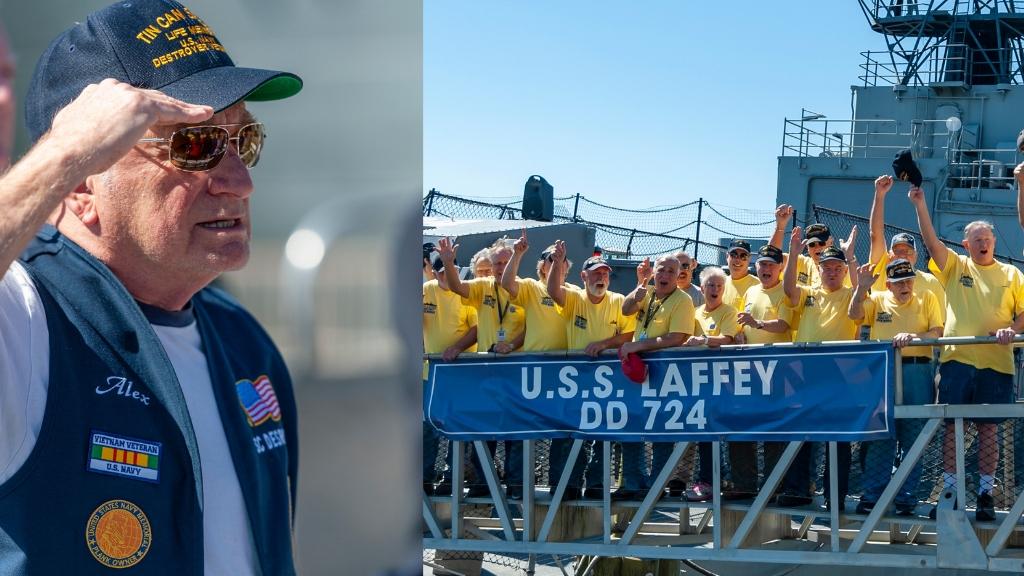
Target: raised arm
x,y
789,274
876,223
782,215
446,249
508,278
88,136
1018,175
555,289
632,302
865,279
924,222
848,246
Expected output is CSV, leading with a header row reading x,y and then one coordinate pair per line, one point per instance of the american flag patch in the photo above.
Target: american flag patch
x,y
258,400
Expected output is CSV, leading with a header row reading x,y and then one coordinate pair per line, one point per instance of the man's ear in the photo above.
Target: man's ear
x,y
82,203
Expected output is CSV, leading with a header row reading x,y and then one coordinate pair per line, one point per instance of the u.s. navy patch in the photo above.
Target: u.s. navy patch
x,y
258,400
118,534
121,456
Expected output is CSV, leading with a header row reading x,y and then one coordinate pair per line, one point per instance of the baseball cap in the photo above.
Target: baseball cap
x,y
428,247
818,232
903,238
769,252
898,270
153,44
1020,141
739,245
634,368
595,262
904,167
832,253
548,252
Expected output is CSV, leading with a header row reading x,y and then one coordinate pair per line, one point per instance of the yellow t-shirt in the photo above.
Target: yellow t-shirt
x,y
587,322
674,314
719,322
979,300
887,317
806,271
765,305
924,282
495,311
545,327
445,318
735,289
824,315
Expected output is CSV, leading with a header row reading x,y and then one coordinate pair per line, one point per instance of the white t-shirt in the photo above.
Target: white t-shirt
x,y
24,379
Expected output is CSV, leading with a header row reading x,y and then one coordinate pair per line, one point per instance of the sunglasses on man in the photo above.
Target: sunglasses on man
x,y
201,148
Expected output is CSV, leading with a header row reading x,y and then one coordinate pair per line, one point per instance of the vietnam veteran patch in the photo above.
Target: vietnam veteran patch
x,y
121,456
118,534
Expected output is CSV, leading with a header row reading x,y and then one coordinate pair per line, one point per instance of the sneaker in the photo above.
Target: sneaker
x,y
864,507
986,508
792,500
676,488
443,489
699,492
594,493
514,492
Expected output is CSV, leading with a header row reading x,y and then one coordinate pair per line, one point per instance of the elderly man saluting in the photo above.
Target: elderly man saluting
x,y
149,421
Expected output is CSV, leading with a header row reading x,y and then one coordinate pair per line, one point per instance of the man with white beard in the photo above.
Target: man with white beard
x,y
595,323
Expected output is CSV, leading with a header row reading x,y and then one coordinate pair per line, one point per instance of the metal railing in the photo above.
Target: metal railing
x,y
862,138
660,527
941,64
883,9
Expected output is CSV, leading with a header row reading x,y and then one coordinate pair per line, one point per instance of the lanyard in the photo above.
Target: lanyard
x,y
650,314
501,311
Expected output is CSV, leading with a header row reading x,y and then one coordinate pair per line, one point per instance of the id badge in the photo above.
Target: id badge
x,y
501,334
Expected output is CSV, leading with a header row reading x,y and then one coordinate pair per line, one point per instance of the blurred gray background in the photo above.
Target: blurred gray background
x,y
348,150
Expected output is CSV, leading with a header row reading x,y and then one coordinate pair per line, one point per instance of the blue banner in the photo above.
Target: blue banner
x,y
828,392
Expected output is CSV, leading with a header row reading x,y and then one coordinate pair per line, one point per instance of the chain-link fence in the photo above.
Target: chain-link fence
x,y
840,223
697,227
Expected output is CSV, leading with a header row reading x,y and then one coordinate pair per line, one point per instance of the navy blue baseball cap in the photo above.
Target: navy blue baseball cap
x,y
153,44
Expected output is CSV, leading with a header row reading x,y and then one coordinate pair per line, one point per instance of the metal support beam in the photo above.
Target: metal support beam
x,y
833,494
716,493
556,498
961,467
497,494
431,519
654,493
917,449
606,490
998,541
764,495
528,485
458,480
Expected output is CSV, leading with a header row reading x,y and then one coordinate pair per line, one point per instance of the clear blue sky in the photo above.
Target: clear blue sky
x,y
634,104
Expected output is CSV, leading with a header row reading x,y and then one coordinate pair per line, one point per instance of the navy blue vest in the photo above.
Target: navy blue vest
x,y
114,480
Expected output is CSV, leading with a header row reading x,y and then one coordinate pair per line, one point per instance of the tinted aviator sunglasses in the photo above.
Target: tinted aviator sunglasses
x,y
201,148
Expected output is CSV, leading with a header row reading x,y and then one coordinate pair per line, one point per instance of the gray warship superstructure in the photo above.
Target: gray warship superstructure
x,y
949,88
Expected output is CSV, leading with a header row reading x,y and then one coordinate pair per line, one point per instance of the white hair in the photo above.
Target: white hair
x,y
979,224
711,272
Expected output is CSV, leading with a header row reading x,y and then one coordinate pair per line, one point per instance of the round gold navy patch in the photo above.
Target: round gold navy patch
x,y
118,534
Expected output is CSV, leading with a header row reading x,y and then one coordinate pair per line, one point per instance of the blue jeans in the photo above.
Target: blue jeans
x,y
560,448
634,463
918,389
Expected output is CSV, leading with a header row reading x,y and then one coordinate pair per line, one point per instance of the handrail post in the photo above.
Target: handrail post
x,y
576,208
700,211
430,201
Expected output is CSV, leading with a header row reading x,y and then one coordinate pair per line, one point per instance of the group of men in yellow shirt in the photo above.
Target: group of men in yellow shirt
x,y
823,296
